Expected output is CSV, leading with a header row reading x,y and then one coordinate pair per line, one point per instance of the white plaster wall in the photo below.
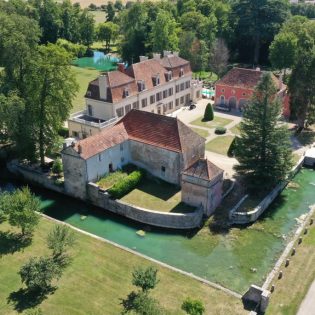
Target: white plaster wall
x,y
97,167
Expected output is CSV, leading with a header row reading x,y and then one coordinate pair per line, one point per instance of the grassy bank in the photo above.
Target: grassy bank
x,y
99,277
297,278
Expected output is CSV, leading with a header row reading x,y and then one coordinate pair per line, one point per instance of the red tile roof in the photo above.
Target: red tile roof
x,y
203,169
244,78
145,127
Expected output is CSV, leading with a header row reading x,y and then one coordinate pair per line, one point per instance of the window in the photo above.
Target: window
x,y
75,134
168,76
121,147
120,112
100,158
181,72
144,102
177,102
182,100
135,105
122,159
163,169
187,99
222,90
244,94
110,168
177,88
90,110
141,85
182,86
165,94
222,100
170,91
187,84
88,93
170,105
156,80
127,108
126,92
152,99
198,94
158,96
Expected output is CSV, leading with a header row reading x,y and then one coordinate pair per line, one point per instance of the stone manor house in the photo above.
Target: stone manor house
x,y
162,145
157,85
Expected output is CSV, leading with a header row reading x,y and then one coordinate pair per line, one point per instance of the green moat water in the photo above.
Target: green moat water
x,y
223,258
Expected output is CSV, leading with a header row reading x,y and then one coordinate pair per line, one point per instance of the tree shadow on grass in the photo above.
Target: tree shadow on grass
x,y
12,242
24,299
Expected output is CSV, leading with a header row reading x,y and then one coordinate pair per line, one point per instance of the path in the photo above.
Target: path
x,y
307,306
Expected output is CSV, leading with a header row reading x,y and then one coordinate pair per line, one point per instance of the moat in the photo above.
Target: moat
x,y
235,259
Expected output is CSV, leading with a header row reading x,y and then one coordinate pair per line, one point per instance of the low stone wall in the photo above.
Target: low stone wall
x,y
102,199
34,176
251,216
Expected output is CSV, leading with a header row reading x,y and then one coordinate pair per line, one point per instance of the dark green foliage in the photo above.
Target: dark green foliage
x,y
38,274
126,185
145,279
264,148
232,148
20,208
208,116
193,307
63,132
220,130
57,167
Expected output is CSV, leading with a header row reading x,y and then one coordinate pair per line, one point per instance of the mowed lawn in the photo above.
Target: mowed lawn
x,y
154,194
216,122
99,277
201,132
83,77
297,278
220,144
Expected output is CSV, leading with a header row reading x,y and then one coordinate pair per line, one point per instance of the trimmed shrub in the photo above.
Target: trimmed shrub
x,y
57,167
208,116
126,185
193,307
231,150
220,131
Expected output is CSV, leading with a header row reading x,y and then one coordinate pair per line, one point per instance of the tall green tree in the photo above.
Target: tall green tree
x,y
164,33
86,28
258,21
107,32
110,11
51,89
264,148
146,279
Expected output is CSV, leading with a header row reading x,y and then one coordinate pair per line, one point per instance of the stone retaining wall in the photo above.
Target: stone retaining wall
x,y
251,216
102,199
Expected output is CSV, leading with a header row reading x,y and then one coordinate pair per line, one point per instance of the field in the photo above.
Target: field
x,y
97,280
216,122
83,76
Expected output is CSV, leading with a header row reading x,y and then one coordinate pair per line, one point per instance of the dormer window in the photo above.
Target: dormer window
x,y
126,92
141,86
156,80
169,76
181,72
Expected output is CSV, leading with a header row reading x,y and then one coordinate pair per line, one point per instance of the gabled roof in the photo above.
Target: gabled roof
x,y
157,130
173,61
244,78
203,169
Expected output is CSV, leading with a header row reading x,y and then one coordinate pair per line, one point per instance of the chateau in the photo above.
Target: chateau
x,y
157,85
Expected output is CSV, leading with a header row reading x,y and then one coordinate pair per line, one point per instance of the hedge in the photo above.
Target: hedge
x,y
126,185
220,130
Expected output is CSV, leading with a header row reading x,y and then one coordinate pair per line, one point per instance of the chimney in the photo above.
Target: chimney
x,y
103,85
143,58
79,149
156,56
121,67
175,53
166,53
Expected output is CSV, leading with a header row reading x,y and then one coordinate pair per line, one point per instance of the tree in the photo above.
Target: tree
x,y
283,51
208,116
21,207
263,149
86,28
51,89
57,167
193,307
145,279
107,32
110,11
258,21
38,274
59,239
164,33
219,57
